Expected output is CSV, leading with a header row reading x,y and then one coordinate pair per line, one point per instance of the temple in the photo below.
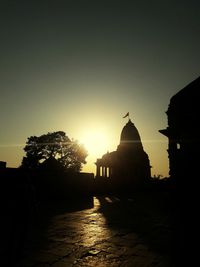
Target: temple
x,y
129,164
183,132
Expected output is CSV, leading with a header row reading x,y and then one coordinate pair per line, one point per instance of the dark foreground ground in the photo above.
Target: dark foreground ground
x,y
101,231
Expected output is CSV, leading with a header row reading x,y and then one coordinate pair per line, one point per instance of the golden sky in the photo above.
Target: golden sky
x,y
79,66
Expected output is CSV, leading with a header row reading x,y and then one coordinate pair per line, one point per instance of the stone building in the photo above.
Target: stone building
x,y
129,164
183,132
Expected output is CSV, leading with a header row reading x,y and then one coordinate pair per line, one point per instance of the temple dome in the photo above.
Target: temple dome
x,y
130,136
129,133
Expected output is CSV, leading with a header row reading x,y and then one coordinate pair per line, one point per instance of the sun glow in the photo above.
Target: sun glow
x,y
96,142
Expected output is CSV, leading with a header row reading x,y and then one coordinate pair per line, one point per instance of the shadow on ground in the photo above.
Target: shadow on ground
x,y
151,215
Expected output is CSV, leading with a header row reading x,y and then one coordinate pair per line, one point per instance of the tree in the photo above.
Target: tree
x,y
54,145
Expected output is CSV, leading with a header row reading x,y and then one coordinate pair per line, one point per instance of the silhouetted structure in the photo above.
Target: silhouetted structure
x,y
18,205
183,132
128,167
2,164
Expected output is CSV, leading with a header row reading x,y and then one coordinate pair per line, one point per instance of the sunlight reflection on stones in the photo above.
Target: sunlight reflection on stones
x,y
96,230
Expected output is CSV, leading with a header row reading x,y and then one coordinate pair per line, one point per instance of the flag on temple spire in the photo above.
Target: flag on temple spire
x,y
127,115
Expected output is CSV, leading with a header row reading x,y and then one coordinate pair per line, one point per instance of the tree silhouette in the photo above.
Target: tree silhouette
x,y
54,145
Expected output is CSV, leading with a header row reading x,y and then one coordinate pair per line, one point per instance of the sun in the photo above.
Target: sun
x,y
95,141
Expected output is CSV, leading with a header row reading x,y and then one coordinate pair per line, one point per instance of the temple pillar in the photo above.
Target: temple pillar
x,y
105,174
109,172
105,171
98,171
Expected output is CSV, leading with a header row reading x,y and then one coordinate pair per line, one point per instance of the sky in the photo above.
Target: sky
x,y
80,66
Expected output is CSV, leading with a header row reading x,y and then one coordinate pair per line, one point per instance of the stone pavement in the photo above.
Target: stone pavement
x,y
107,232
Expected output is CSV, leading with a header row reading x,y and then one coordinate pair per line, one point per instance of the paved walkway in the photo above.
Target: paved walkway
x,y
102,232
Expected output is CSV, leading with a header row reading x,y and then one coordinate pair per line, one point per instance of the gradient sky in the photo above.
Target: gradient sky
x,y
79,66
